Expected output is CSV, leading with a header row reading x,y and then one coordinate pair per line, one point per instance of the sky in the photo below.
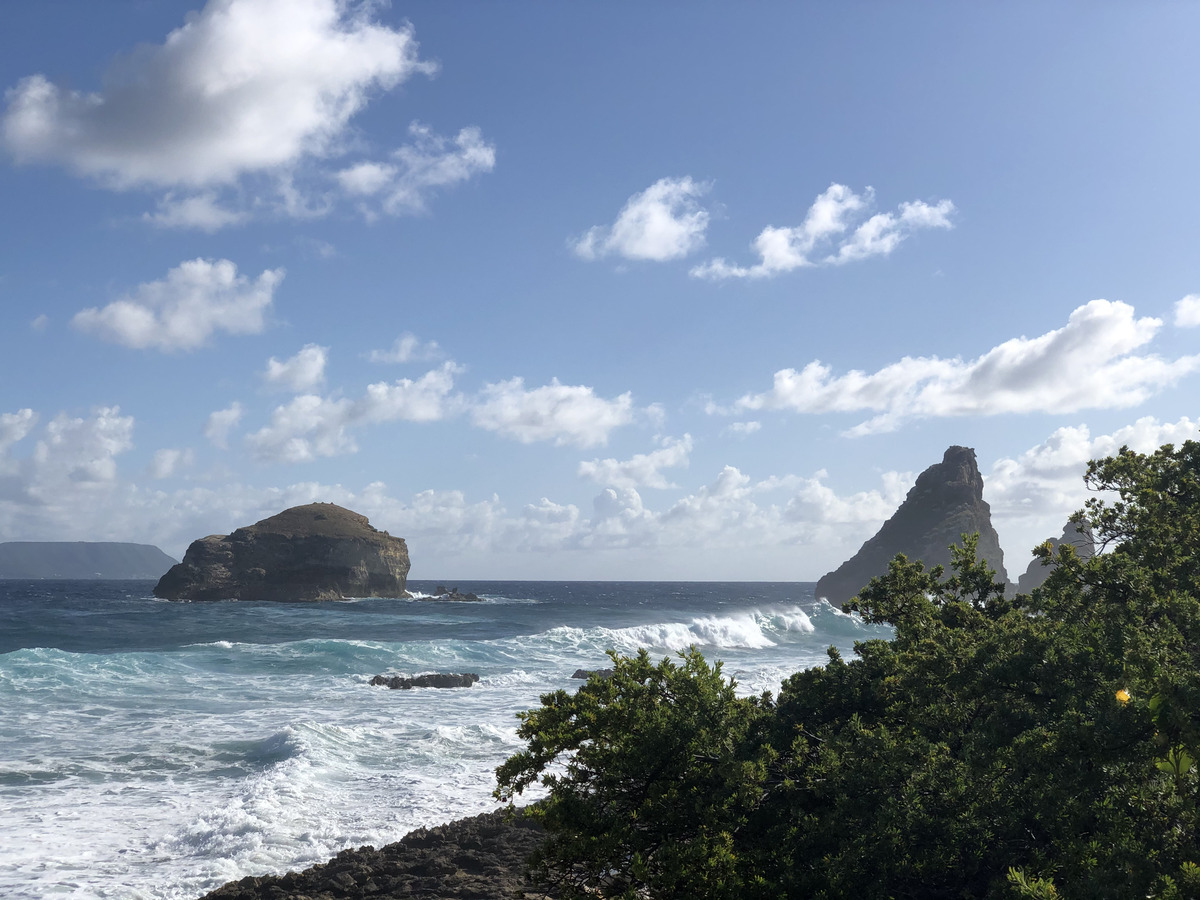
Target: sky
x,y
654,291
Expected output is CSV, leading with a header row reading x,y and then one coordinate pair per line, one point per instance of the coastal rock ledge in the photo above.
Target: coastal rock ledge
x,y
316,552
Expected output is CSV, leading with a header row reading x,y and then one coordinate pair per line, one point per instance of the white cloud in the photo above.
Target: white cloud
x,y
15,426
40,323
425,400
822,238
181,312
1187,311
431,161
301,372
406,348
1033,493
168,461
221,422
200,211
1088,364
82,451
566,414
643,469
244,86
663,222
305,428
238,113
744,428
310,426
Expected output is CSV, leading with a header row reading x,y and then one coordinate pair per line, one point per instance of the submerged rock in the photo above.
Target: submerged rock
x,y
945,503
434,680
441,592
1078,535
316,552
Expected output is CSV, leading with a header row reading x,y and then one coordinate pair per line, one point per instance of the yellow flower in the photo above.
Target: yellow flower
x,y
1123,695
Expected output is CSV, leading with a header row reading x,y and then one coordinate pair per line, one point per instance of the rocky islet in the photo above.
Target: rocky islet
x,y
319,551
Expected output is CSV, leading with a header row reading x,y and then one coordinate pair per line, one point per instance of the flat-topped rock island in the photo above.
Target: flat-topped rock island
x,y
319,551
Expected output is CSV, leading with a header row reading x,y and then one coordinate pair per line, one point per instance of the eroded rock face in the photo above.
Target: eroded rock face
x,y
945,503
1078,535
316,552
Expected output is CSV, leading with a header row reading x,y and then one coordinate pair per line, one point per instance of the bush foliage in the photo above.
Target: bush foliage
x,y
1037,746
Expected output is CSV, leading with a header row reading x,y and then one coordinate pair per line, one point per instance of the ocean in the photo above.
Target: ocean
x,y
153,749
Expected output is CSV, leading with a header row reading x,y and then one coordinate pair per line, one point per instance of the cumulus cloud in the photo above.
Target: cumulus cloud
x,y
197,299
82,450
40,323
1033,493
310,426
203,212
404,183
406,348
565,414
1187,311
168,461
15,426
661,223
743,429
643,469
221,422
301,372
1090,363
239,112
243,86
828,235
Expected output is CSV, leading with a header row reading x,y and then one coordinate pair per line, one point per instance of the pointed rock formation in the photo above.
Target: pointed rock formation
x,y
314,552
1078,535
945,503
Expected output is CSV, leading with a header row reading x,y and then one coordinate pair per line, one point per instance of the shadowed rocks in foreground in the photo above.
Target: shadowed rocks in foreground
x,y
480,858
316,552
945,503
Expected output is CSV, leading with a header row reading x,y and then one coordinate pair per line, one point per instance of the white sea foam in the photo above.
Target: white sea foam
x,y
159,775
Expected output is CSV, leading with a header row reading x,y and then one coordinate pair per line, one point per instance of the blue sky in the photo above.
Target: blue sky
x,y
615,291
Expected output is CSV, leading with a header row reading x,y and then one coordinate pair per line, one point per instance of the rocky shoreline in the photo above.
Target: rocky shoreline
x,y
479,858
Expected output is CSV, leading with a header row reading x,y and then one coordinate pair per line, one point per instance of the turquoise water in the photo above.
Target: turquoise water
x,y
156,750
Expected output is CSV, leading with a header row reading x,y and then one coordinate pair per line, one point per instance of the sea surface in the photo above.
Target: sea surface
x,y
153,749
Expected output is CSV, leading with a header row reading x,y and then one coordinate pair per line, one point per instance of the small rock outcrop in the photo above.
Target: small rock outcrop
x,y
945,503
585,674
432,680
479,858
316,552
441,592
1078,535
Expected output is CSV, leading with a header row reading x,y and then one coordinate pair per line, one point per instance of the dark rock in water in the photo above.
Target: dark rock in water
x,y
441,592
82,560
480,858
314,552
434,680
588,673
945,503
1078,535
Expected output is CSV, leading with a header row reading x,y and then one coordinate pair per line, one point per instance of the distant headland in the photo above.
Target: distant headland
x,y
82,560
320,551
